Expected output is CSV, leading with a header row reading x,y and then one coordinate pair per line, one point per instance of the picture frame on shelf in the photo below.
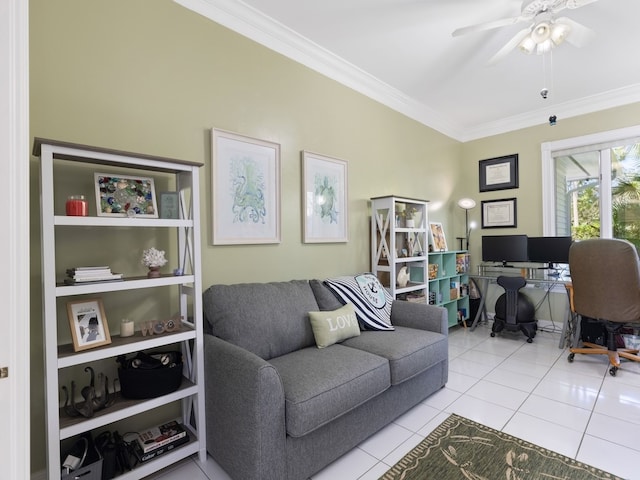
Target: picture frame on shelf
x,y
245,179
500,173
169,205
439,241
88,322
501,213
125,196
324,199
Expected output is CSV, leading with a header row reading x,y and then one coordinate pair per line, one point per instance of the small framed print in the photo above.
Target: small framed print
x,y
437,235
499,213
499,173
125,196
88,324
169,205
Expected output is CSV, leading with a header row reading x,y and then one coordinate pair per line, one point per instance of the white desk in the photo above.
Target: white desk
x,y
533,277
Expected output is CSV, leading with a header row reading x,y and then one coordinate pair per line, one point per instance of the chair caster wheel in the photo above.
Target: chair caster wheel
x,y
612,371
493,334
529,340
571,357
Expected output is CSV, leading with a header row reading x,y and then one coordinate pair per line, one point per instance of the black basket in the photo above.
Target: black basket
x,y
138,383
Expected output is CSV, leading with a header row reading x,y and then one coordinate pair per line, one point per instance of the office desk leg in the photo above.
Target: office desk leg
x,y
482,307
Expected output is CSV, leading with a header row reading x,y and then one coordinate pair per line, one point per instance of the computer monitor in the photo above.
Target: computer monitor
x,y
504,248
549,250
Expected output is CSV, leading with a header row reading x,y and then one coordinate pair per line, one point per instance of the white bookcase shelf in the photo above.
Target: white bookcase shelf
x,y
187,290
395,245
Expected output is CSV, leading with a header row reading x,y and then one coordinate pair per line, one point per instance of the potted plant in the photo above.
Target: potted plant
x,y
409,216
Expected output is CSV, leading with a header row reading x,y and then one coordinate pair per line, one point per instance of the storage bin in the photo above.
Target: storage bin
x,y
93,471
152,378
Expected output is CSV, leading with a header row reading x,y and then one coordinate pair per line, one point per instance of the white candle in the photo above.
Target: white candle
x,y
127,328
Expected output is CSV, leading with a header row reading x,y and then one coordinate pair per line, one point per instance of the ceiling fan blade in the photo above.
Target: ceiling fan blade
x,y
486,26
579,35
579,3
510,45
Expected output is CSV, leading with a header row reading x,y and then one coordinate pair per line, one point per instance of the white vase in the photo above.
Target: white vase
x,y
410,223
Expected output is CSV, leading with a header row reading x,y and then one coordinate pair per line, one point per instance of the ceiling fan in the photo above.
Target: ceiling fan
x,y
544,32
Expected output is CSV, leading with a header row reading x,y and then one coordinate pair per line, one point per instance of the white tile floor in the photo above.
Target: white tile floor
x,y
527,390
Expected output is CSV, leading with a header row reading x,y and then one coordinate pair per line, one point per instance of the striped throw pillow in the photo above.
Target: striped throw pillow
x,y
369,298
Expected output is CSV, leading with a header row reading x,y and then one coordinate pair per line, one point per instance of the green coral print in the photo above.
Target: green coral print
x,y
247,184
326,193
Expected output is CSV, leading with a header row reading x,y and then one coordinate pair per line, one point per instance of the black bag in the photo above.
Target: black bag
x,y
150,375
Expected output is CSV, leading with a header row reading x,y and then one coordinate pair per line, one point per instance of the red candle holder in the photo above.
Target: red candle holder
x,y
77,206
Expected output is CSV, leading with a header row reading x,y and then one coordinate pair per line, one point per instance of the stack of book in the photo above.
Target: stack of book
x,y
78,275
159,440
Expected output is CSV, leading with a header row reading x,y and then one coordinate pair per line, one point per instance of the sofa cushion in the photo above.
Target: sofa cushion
x,y
323,384
335,326
327,300
370,299
268,319
409,351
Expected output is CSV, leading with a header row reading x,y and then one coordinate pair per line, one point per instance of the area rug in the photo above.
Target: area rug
x,y
462,449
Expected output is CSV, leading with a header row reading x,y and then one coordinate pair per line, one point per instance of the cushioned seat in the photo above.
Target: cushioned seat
x,y
321,385
409,351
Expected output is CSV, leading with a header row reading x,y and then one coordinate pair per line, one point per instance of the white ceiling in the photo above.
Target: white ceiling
x,y
402,53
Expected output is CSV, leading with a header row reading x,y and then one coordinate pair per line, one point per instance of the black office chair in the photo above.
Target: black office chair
x,y
606,287
514,311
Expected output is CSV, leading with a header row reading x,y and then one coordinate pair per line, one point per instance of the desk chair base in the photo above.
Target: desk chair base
x,y
528,328
614,355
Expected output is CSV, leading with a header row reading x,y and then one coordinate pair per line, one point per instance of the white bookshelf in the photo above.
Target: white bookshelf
x,y
187,289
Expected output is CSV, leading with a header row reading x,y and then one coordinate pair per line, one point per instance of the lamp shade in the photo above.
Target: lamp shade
x,y
466,203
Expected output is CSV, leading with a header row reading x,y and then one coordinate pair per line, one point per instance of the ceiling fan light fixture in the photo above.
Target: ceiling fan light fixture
x,y
559,32
541,32
527,45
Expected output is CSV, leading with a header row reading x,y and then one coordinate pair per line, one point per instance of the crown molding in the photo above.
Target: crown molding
x,y
253,24
594,103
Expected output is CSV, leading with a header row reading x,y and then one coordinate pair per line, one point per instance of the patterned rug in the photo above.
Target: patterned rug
x,y
462,449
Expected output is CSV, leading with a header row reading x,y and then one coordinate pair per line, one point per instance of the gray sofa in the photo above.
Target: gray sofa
x,y
278,407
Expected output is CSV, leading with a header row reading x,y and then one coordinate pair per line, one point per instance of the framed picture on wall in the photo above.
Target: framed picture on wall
x,y
499,173
499,213
324,199
245,180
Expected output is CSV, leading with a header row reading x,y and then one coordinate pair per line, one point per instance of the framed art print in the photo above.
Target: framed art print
x,y
499,173
125,196
246,189
169,205
324,199
437,235
499,213
88,324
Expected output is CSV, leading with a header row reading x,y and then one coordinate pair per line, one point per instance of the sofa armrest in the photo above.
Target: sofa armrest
x,y
245,412
419,315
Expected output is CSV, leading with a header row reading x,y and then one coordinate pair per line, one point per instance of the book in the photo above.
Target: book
x,y
73,281
145,457
156,437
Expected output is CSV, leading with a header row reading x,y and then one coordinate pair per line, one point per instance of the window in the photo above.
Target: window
x,y
591,186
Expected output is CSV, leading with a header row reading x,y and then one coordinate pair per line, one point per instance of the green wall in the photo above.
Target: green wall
x,y
150,76
153,77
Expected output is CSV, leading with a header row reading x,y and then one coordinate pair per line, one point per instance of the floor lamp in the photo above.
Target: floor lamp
x,y
466,204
